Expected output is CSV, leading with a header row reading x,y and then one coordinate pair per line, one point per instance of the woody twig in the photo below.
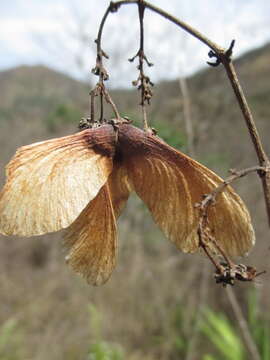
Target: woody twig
x,y
226,270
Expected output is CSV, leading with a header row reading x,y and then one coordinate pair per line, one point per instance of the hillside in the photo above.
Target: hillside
x,y
148,306
47,99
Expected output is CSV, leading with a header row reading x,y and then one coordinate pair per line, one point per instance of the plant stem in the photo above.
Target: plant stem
x,y
250,344
222,56
100,30
141,9
215,47
210,198
263,170
261,155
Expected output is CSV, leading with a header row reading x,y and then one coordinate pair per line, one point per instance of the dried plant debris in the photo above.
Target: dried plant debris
x,y
228,273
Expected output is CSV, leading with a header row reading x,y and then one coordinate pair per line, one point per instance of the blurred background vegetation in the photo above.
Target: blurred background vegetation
x,y
149,308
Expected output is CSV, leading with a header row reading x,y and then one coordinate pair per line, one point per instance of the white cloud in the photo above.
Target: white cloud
x,y
47,32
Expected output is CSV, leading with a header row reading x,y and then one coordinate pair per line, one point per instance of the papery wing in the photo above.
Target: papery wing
x,y
92,240
120,188
171,183
49,183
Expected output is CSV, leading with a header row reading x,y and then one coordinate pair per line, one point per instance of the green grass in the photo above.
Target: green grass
x,y
105,351
11,344
100,349
225,336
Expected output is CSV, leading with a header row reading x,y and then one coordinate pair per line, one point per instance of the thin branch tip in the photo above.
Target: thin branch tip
x,y
114,7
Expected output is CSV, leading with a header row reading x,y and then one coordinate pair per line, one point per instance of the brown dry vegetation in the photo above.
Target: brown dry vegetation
x,y
147,307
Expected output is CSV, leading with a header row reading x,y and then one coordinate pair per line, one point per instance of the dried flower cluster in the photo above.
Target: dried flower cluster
x,y
81,183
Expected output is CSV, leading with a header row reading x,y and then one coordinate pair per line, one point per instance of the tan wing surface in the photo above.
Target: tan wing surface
x,y
49,183
120,188
170,183
92,240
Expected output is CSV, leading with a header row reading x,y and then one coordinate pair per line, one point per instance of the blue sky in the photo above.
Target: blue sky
x,y
48,32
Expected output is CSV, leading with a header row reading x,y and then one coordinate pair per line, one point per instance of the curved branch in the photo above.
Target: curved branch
x,y
222,56
100,30
114,6
210,198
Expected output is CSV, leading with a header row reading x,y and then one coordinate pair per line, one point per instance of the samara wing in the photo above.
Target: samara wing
x,y
49,183
171,183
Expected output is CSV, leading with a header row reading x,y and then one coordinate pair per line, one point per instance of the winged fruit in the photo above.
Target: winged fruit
x,y
81,182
